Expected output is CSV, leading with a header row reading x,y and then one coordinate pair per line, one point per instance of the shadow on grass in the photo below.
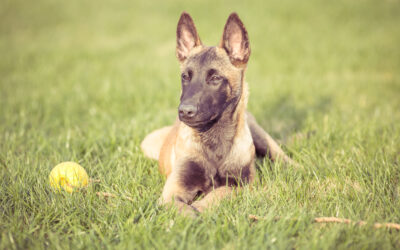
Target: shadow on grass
x,y
282,118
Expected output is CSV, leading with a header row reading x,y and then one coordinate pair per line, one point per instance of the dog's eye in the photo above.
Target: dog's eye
x,y
215,79
185,77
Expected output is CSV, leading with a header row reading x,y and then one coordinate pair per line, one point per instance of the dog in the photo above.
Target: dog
x,y
211,148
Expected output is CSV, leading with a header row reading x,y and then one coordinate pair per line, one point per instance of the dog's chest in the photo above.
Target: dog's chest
x,y
222,165
204,176
222,159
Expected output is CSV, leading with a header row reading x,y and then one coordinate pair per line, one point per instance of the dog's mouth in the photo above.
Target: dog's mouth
x,y
202,125
195,124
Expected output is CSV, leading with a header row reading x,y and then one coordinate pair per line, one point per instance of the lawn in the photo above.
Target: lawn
x,y
85,81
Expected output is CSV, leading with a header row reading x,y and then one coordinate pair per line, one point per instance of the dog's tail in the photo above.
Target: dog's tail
x,y
152,143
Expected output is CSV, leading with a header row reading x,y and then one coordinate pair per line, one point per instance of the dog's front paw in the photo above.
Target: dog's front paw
x,y
199,206
189,211
183,208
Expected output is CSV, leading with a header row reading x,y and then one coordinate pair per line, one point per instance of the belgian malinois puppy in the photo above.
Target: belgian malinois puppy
x,y
212,147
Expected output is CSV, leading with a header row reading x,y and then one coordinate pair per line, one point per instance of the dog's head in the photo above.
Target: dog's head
x,y
211,77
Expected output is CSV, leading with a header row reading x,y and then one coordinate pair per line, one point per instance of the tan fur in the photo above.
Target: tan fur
x,y
212,198
151,145
214,160
184,142
165,161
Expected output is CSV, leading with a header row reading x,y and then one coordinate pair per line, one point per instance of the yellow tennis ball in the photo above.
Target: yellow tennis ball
x,y
69,176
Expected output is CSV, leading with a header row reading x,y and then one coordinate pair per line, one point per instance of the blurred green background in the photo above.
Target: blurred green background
x,y
87,80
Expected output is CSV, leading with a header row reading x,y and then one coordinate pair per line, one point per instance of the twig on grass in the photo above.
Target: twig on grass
x,y
128,198
110,195
337,220
94,180
359,223
105,195
256,218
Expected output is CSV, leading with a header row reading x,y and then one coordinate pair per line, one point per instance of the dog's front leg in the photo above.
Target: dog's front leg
x,y
175,194
213,198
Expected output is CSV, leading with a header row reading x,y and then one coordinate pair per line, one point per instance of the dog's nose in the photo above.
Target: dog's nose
x,y
187,111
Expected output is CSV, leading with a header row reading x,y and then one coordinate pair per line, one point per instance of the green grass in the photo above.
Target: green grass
x,y
85,81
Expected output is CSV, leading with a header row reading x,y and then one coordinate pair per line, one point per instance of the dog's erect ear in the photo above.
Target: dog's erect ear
x,y
235,41
186,37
